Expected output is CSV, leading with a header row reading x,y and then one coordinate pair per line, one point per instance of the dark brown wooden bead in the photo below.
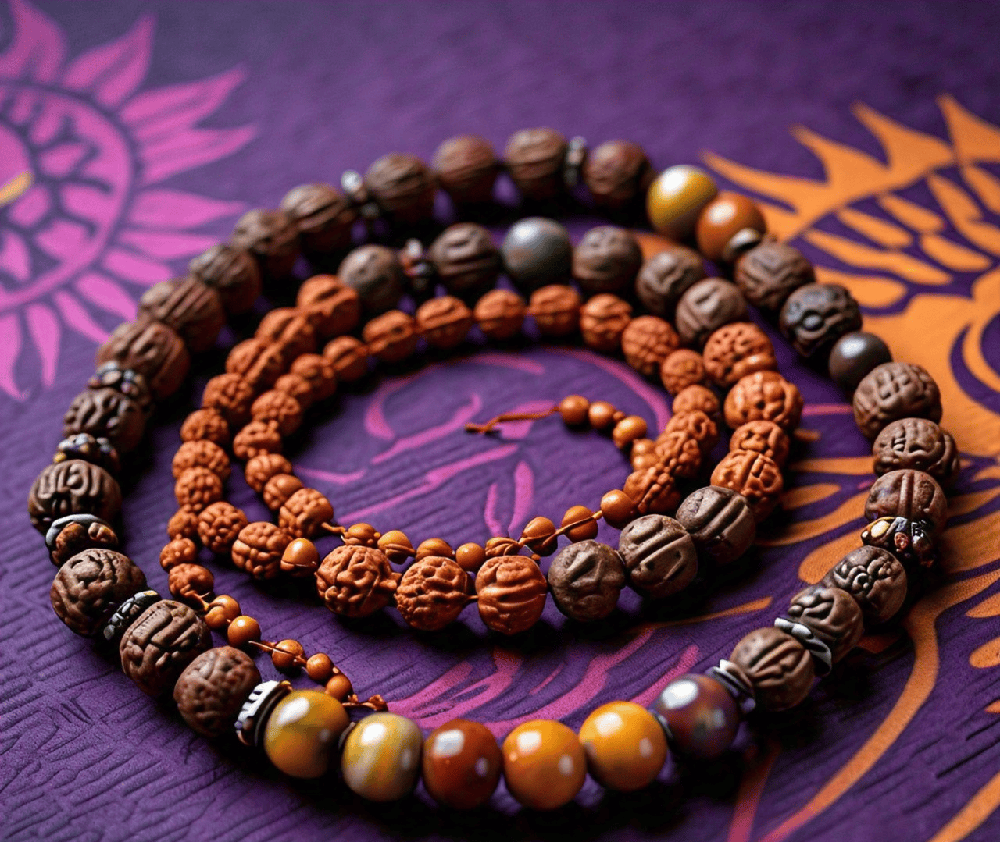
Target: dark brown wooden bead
x,y
728,225
375,273
161,643
466,168
735,350
556,310
150,349
356,581
779,667
617,174
874,578
232,272
585,579
466,259
535,159
816,315
831,614
646,343
910,494
213,688
603,320
189,306
72,487
403,187
444,322
854,355
892,391
109,414
272,238
916,444
511,593
705,307
699,714
90,586
500,314
432,593
584,528
719,522
606,259
392,337
764,395
461,764
258,549
219,525
665,276
659,554
754,476
322,216
349,358
771,271
537,252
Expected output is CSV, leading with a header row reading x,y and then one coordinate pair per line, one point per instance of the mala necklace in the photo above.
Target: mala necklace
x,y
272,378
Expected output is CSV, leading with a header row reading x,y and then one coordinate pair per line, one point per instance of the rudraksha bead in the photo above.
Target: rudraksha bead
x,y
697,425
257,362
278,408
206,425
72,487
161,643
392,336
279,489
719,522
606,260
511,593
200,453
911,494
444,322
272,238
330,307
189,306
180,550
735,350
318,374
875,578
196,488
831,614
255,438
349,358
816,315
232,272
466,259
376,274
304,513
258,548
752,475
762,436
466,168
262,467
682,368
288,328
779,667
916,444
556,309
585,579
679,452
183,524
892,391
706,306
190,582
150,349
231,396
659,554
652,490
771,271
617,174
764,395
534,159
500,314
322,216
219,525
89,587
356,581
665,277
603,320
646,343
213,687
432,593
403,187
697,397
108,414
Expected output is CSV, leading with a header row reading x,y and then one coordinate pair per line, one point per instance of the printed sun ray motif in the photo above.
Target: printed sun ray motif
x,y
86,222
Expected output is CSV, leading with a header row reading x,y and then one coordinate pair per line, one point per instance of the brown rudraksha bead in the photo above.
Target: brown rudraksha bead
x,y
735,350
831,614
911,494
511,591
707,306
753,475
196,488
180,550
190,582
264,466
66,538
585,579
314,377
322,216
219,525
212,689
646,343
874,578
466,168
89,587
466,259
231,396
206,425
106,413
535,160
258,362
183,524
392,337
762,437
288,328
279,489
272,238
200,453
771,271
444,322
330,307
255,438
432,593
355,581
500,314
665,277
652,490
603,320
815,316
161,643
278,408
682,368
679,452
607,259
349,358
659,554
780,668
916,444
258,548
892,391
304,513
556,309
150,349
617,174
189,306
72,487
697,397
720,523
232,272
403,187
766,395
697,425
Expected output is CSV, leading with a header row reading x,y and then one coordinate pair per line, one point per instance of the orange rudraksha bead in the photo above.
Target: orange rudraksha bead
x,y
231,396
679,452
257,361
278,408
263,466
653,490
444,322
356,581
201,454
304,513
197,488
206,424
178,551
278,489
646,342
511,593
697,425
767,395
735,350
255,438
753,475
763,437
682,368
219,525
258,549
432,593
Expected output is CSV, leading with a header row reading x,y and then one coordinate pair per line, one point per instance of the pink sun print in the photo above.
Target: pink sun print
x,y
85,225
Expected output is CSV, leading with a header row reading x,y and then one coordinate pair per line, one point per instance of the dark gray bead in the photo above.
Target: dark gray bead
x,y
536,252
585,579
375,273
854,355
659,555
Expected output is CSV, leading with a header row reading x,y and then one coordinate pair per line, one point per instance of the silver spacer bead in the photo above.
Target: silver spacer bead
x,y
728,674
804,635
256,709
576,155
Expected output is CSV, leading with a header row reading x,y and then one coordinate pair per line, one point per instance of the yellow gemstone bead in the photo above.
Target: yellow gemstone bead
x,y
302,733
543,764
676,198
381,757
624,744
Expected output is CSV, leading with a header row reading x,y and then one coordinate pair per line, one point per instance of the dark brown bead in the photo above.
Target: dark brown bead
x,y
511,593
853,356
659,554
72,487
762,436
617,174
682,368
779,667
816,315
771,271
581,523
232,272
500,314
349,358
699,714
403,187
574,410
719,522
322,216
874,578
585,579
916,444
150,349
219,525
728,225
189,306
392,337
304,513
76,533
556,310
432,593
90,586
707,306
462,764
109,414
444,322
892,391
911,541
356,581
466,168
603,320
230,396
735,350
665,276
466,259
646,343
606,259
754,476
764,395
212,689
911,494
536,252
375,273
535,159
258,549
272,238
831,614
161,643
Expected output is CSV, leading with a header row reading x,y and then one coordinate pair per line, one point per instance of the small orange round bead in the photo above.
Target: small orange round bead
x,y
628,430
300,558
242,630
221,612
339,686
617,508
287,655
539,535
396,546
601,415
319,667
573,410
362,533
435,547
470,557
585,528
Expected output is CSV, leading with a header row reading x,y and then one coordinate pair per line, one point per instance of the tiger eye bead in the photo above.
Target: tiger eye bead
x,y
301,734
728,225
380,759
544,764
624,744
699,715
461,764
676,198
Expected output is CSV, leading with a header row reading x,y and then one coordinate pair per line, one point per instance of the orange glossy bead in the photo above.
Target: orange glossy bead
x,y
221,612
319,667
461,764
287,655
601,415
300,558
626,431
676,198
434,547
470,556
362,533
396,546
544,764
727,223
617,508
242,630
301,734
624,744
573,409
539,535
339,686
586,526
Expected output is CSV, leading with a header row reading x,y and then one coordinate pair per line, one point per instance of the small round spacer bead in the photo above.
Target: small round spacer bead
x,y
242,631
630,429
434,547
300,558
287,655
470,556
539,535
222,610
363,534
319,667
339,686
579,524
396,546
574,410
601,415
617,507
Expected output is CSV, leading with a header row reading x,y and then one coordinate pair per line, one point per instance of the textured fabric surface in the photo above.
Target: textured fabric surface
x,y
134,134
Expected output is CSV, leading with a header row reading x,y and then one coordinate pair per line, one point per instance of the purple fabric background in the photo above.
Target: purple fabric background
x,y
304,91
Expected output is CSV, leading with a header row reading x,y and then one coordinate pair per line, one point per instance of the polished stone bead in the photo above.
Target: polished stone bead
x,y
624,744
302,732
854,355
461,764
699,715
536,252
544,764
728,225
381,757
676,198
